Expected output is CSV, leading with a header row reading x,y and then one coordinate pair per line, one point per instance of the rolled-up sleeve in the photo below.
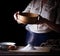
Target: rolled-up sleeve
x,y
28,7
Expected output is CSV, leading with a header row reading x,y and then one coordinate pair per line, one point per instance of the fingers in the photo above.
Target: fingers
x,y
17,12
16,15
40,20
40,16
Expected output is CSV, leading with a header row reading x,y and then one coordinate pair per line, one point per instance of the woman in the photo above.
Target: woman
x,y
49,21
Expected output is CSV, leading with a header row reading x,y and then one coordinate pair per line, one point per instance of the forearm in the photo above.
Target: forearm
x,y
52,25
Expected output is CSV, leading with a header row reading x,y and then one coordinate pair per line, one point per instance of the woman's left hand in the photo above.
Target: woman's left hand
x,y
41,20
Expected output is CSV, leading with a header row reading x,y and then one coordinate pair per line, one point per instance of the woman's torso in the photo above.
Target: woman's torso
x,y
43,10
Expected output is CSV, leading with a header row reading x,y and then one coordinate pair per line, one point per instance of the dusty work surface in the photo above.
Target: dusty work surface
x,y
38,51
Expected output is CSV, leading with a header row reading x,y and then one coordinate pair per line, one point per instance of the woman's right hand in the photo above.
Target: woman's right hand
x,y
16,16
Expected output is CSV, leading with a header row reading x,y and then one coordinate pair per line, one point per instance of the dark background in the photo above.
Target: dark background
x,y
10,30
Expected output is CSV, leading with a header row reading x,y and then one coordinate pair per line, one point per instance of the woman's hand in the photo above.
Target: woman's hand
x,y
40,20
16,16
